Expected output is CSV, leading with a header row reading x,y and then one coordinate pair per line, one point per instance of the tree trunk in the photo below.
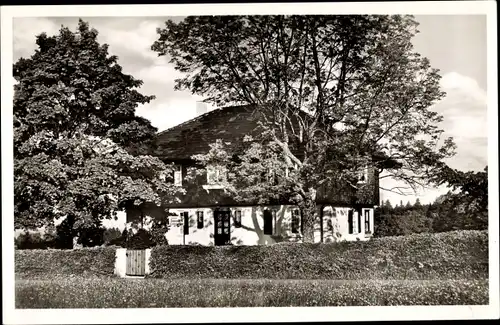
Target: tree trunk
x,y
308,210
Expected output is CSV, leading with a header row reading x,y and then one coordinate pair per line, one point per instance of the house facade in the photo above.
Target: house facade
x,y
207,215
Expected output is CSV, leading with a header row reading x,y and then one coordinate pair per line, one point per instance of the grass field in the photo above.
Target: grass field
x,y
101,292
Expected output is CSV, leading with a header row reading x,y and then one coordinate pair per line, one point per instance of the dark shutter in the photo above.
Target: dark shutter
x,y
200,219
367,222
295,221
186,223
237,219
268,222
360,219
301,218
350,221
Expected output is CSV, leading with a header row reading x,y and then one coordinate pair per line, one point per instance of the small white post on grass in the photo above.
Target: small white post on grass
x,y
148,257
121,262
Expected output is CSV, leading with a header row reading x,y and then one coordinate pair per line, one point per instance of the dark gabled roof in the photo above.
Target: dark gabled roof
x,y
229,124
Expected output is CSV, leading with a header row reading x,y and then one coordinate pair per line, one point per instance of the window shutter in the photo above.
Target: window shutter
x,y
178,175
186,223
295,221
199,215
268,222
237,219
367,222
360,220
301,218
350,219
217,175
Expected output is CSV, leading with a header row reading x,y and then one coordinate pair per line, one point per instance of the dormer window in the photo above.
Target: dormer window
x,y
177,175
270,177
363,175
162,176
216,175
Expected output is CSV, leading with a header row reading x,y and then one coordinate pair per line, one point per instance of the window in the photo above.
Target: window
x,y
185,217
237,218
269,177
363,175
295,221
215,175
367,222
350,221
178,175
199,218
268,222
272,177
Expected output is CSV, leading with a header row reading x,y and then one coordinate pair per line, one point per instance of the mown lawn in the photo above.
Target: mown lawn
x,y
104,292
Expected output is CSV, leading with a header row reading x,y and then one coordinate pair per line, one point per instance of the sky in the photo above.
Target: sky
x,y
454,44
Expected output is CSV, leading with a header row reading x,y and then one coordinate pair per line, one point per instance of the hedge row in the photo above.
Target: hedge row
x,y
160,293
87,261
452,255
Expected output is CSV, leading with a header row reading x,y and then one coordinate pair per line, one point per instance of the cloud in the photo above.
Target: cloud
x,y
168,113
160,73
466,88
464,110
25,31
133,38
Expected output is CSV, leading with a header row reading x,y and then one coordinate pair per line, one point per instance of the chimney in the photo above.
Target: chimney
x,y
201,108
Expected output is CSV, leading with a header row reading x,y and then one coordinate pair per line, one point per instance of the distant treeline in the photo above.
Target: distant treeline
x,y
465,208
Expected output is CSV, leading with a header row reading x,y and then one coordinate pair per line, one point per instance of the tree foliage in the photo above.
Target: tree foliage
x,y
364,90
80,152
466,205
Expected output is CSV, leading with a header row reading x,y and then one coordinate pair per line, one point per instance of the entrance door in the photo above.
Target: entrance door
x,y
222,234
136,262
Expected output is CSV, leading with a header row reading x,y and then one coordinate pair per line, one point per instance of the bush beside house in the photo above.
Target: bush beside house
x,y
42,263
452,255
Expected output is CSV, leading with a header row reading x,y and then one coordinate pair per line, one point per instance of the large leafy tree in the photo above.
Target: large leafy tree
x,y
80,152
363,89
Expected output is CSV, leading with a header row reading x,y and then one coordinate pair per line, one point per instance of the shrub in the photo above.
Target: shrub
x,y
453,255
49,263
159,293
91,236
142,239
112,236
32,240
158,230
